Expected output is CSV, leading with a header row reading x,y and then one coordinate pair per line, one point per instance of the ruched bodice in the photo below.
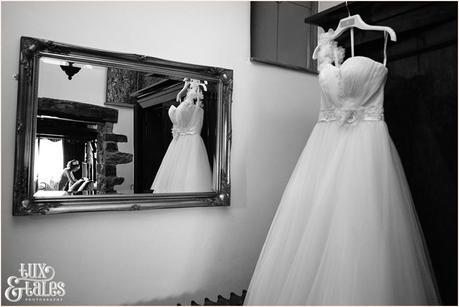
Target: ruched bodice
x,y
187,119
357,83
351,91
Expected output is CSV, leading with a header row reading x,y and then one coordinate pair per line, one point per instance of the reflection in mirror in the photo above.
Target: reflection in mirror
x,y
107,130
185,166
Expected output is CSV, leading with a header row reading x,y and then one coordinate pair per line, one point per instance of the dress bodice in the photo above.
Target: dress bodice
x,y
358,83
351,90
187,119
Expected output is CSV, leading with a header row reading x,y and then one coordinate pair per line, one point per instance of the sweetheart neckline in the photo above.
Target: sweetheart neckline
x,y
359,56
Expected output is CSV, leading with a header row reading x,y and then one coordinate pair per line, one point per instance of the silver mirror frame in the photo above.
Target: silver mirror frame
x,y
31,50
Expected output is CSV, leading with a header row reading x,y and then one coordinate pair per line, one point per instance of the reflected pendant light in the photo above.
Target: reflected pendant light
x,y
70,70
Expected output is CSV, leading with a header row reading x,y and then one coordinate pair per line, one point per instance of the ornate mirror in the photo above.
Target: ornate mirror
x,y
99,131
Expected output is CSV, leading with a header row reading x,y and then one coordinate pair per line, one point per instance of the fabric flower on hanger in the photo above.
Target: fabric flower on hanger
x,y
329,52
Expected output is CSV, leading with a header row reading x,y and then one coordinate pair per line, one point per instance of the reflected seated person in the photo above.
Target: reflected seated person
x,y
68,181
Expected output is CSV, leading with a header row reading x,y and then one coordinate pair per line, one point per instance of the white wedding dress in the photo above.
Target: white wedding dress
x,y
346,231
185,166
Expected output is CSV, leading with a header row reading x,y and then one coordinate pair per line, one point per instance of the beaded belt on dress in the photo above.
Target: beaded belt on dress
x,y
176,132
350,116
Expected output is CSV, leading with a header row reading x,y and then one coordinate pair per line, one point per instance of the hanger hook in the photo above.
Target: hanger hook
x,y
347,8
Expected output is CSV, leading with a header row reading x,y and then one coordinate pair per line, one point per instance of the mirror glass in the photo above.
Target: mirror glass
x,y
110,130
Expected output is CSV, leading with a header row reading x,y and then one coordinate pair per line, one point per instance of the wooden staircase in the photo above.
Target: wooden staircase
x,y
234,300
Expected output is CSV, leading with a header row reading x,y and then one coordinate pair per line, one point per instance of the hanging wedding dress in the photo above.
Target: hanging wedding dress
x,y
185,166
346,231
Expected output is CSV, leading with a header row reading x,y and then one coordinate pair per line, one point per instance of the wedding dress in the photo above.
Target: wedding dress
x,y
346,231
185,166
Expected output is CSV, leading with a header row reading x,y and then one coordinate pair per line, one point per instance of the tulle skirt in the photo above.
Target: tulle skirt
x,y
346,231
185,167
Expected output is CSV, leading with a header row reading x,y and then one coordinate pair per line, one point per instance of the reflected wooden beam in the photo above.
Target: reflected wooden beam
x,y
76,110
54,127
158,93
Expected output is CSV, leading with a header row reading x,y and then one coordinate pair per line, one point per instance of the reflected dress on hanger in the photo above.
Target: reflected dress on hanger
x,y
185,166
346,231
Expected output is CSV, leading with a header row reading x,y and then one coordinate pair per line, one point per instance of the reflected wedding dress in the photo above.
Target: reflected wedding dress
x,y
185,166
346,231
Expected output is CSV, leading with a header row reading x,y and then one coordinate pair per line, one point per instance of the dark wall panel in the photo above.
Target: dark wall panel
x,y
293,34
263,22
279,35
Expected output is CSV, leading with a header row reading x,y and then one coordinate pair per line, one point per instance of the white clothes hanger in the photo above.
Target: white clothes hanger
x,y
355,21
189,83
199,83
182,91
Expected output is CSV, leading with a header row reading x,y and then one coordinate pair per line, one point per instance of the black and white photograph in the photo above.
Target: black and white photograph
x,y
257,153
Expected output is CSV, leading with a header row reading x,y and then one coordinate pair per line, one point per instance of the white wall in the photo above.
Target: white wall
x,y
173,255
324,5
